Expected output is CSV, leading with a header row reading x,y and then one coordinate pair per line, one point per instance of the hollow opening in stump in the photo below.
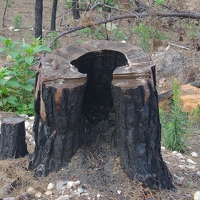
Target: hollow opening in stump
x,y
99,67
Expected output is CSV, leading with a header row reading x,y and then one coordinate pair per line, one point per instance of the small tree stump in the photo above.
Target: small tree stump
x,y
78,88
12,138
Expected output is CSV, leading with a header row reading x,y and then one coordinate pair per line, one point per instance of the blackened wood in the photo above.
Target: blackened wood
x,y
12,140
91,83
138,131
53,15
38,18
75,9
57,127
165,95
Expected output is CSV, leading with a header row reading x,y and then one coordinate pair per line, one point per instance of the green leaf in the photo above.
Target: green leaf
x,y
3,39
19,59
27,48
13,82
28,87
4,102
2,49
40,48
29,60
14,54
2,81
31,81
31,105
12,100
8,42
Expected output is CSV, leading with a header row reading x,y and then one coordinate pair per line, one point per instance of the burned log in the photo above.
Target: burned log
x,y
78,88
12,138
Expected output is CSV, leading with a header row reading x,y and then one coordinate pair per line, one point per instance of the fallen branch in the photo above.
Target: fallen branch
x,y
176,45
182,14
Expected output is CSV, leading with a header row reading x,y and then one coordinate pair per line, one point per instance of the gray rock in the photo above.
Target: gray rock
x,y
48,192
191,161
72,184
26,195
85,196
60,184
38,195
9,198
169,63
31,190
80,190
75,194
27,124
64,197
190,166
194,154
32,118
29,137
50,186
197,195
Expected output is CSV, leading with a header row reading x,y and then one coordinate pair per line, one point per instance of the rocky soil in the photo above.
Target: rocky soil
x,y
95,174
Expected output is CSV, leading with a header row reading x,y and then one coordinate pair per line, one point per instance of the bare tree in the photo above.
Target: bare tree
x,y
4,14
75,9
53,15
38,18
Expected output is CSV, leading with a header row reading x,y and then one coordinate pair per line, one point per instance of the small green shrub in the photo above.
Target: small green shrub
x,y
142,31
159,1
105,32
146,33
194,117
175,125
9,3
47,39
17,21
193,35
17,82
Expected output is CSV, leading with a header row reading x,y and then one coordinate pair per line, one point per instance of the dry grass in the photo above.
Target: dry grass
x,y
14,173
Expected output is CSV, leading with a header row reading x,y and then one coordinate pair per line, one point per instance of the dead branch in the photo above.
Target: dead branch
x,y
176,45
182,14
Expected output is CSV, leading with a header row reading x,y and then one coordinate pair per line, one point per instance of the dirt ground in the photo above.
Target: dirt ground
x,y
99,172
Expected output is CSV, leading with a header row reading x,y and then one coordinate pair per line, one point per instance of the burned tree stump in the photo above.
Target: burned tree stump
x,y
12,138
78,88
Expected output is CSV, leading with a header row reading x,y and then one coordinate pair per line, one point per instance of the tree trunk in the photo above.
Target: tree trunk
x,y
92,84
4,14
12,140
38,18
53,15
75,9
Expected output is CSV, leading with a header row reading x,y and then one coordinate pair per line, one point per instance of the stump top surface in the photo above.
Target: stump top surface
x,y
57,67
12,120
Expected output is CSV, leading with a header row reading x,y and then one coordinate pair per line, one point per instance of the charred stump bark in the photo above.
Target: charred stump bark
x,y
78,88
12,138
